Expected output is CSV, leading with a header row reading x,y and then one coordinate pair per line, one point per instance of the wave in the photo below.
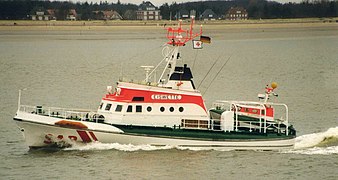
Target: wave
x,y
316,143
323,143
125,147
322,139
115,146
315,151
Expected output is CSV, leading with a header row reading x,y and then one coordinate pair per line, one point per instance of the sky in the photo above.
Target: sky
x,y
160,2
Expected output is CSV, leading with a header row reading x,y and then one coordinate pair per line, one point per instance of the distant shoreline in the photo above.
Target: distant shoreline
x,y
96,25
161,22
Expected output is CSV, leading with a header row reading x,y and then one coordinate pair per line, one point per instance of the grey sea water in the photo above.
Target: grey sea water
x,y
72,69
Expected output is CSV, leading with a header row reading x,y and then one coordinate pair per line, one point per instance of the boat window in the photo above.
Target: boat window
x,y
162,109
100,107
138,108
263,112
130,108
108,106
171,109
149,108
181,109
138,99
118,108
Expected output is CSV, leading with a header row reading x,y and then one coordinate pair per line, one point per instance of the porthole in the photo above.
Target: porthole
x,y
181,109
162,109
149,108
171,109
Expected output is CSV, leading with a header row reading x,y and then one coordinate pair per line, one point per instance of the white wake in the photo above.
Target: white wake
x,y
324,143
115,146
317,143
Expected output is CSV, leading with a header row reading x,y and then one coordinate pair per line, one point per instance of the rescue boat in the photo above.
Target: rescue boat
x,y
168,111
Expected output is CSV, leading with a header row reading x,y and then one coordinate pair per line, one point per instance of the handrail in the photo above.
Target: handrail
x,y
223,105
73,114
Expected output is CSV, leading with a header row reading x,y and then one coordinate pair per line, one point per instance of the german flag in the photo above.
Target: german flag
x,y
205,39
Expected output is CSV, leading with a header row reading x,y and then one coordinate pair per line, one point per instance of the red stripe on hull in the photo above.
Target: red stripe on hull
x,y
84,136
93,136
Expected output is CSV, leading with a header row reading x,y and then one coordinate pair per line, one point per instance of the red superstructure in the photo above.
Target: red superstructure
x,y
166,100
131,93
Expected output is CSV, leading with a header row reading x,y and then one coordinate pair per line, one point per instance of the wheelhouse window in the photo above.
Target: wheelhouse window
x,y
118,108
138,108
108,106
100,107
138,98
130,108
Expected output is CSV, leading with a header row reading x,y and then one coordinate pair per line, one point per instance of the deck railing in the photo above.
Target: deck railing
x,y
63,113
212,124
263,124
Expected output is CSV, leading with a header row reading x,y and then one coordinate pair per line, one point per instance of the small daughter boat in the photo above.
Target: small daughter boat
x,y
168,111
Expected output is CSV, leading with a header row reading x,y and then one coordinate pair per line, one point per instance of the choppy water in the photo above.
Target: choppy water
x,y
73,68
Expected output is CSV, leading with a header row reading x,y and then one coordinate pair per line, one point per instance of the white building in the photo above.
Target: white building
x,y
147,11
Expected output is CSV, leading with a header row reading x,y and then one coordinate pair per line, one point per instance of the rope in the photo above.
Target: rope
x,y
219,57
217,75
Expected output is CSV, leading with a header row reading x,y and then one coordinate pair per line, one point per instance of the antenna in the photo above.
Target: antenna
x,y
121,71
178,36
19,98
147,69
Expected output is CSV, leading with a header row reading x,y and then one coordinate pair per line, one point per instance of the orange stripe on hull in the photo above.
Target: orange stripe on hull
x,y
71,124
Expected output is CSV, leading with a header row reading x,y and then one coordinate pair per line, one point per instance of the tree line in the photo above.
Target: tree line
x,y
22,9
258,9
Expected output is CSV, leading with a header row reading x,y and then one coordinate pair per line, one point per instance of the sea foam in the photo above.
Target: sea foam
x,y
115,146
317,139
323,143
315,143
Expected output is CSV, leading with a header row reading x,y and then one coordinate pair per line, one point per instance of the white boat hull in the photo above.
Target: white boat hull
x,y
38,134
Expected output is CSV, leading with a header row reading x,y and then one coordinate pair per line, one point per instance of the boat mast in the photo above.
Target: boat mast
x,y
171,59
177,37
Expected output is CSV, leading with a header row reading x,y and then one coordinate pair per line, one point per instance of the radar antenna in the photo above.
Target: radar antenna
x,y
178,36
